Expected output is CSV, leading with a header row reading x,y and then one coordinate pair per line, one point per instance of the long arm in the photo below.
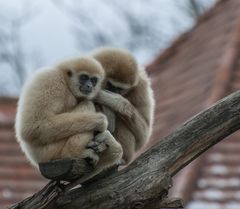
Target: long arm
x,y
111,117
134,120
89,106
142,98
136,109
65,125
116,102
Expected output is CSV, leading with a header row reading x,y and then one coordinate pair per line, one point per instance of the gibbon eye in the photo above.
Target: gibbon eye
x,y
94,80
113,88
83,77
110,87
119,89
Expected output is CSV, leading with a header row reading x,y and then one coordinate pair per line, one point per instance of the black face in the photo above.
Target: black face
x,y
114,89
87,83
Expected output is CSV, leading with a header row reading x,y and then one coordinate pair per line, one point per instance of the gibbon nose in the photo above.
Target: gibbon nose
x,y
86,88
88,85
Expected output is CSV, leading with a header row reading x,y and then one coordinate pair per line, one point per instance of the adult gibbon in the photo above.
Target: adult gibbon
x,y
129,94
56,118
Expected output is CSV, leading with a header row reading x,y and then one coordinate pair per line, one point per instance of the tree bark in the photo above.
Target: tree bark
x,y
145,183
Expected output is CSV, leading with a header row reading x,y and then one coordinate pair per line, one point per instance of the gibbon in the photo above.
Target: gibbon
x,y
129,94
56,118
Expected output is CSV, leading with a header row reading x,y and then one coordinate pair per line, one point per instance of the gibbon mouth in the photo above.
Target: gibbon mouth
x,y
85,91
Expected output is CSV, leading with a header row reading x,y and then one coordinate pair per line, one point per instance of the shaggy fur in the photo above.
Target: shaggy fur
x,y
135,106
55,120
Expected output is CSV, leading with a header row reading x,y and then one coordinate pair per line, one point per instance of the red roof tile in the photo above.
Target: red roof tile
x,y
18,179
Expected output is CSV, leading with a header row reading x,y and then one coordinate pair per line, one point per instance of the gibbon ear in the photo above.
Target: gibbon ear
x,y
69,73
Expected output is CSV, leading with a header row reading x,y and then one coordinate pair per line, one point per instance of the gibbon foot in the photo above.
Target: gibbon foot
x,y
98,143
92,160
91,156
98,147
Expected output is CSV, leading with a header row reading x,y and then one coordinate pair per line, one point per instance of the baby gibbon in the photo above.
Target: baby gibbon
x,y
56,118
127,92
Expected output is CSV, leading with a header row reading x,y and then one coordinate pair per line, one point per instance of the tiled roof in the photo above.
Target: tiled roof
x,y
199,68
18,179
219,179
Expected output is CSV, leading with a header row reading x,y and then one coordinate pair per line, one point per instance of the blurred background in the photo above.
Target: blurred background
x,y
191,51
39,33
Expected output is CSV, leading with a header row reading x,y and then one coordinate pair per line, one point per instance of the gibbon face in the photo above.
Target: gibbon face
x,y
122,79
84,76
116,86
120,67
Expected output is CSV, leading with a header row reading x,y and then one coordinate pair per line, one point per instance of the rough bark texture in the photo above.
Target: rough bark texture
x,y
41,199
146,181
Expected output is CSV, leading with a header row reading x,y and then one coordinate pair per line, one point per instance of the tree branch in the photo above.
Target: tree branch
x,y
146,181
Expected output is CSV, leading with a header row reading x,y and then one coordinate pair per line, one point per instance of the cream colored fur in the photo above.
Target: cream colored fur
x,y
136,107
54,120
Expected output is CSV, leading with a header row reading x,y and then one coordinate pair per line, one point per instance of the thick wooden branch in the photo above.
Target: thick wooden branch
x,y
41,199
146,181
